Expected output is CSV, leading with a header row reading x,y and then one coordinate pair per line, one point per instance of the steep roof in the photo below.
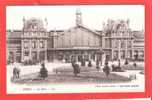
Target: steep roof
x,y
14,34
34,24
84,27
138,34
115,25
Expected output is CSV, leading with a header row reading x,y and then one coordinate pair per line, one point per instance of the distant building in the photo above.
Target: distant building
x,y
120,42
34,42
13,45
138,45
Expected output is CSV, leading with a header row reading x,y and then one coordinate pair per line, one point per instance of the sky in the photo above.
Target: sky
x,y
63,17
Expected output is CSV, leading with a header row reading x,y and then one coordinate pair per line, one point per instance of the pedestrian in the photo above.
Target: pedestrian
x,y
90,63
106,69
83,61
76,68
126,62
43,71
119,64
97,65
101,62
16,71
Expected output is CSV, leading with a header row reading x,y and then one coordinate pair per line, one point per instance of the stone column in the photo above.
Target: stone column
x,y
30,49
112,54
38,50
133,53
112,46
119,47
45,49
22,50
132,47
126,51
103,42
14,52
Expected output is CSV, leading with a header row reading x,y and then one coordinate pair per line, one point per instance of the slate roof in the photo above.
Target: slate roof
x,y
14,34
138,34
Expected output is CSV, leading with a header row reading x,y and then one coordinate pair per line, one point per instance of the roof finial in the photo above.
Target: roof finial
x,y
23,22
46,23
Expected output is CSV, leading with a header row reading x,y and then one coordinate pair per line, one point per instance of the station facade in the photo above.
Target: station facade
x,y
34,42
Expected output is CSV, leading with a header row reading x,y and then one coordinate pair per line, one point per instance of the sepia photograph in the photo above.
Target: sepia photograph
x,y
75,49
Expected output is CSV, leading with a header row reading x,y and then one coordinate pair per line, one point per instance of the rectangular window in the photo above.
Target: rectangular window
x,y
26,53
115,55
129,54
26,44
123,44
122,54
34,44
26,33
129,44
116,43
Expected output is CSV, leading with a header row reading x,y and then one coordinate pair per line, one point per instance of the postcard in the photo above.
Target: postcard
x,y
75,49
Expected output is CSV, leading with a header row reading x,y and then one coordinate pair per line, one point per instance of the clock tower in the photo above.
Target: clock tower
x,y
78,17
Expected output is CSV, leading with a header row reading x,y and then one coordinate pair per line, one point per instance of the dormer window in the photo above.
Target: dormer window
x,y
34,24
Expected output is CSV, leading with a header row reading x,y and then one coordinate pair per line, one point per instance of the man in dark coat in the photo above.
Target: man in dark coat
x,y
43,71
83,62
106,69
90,63
97,65
16,71
76,68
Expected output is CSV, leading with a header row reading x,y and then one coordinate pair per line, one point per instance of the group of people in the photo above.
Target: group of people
x,y
76,67
43,73
114,66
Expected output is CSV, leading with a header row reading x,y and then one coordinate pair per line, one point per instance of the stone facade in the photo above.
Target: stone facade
x,y
119,41
13,51
78,41
138,45
34,42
